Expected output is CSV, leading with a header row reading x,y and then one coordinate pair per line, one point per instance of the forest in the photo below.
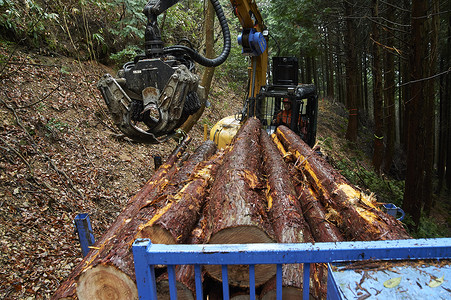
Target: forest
x,y
388,63
382,70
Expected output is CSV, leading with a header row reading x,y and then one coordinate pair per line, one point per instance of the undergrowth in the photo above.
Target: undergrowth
x,y
387,190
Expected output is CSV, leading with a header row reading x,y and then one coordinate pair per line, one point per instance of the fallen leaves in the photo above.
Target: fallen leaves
x,y
436,282
57,159
392,282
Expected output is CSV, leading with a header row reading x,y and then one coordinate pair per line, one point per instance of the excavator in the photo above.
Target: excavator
x,y
154,95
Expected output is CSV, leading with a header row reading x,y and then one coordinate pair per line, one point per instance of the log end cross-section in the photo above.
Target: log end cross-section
x,y
237,207
106,282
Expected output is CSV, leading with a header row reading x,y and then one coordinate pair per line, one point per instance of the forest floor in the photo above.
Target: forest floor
x,y
61,155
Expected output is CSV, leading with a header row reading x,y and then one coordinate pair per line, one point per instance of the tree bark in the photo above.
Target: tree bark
x,y
351,73
173,223
316,216
237,193
286,216
429,107
389,97
378,153
356,215
329,64
115,259
184,274
414,196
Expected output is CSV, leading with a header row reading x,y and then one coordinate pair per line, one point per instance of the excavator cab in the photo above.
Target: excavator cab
x,y
285,102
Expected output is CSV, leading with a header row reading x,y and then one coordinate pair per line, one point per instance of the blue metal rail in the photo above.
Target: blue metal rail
x,y
146,255
85,233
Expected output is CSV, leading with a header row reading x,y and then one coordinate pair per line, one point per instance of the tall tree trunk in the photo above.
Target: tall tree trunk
x,y
429,106
302,67
359,82
315,71
330,69
445,114
351,73
389,98
308,67
365,83
377,94
341,97
441,160
405,71
414,196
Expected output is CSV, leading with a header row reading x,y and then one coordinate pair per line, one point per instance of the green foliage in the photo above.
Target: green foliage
x,y
387,191
95,28
292,23
428,228
56,125
326,142
129,22
26,21
208,122
234,69
125,55
183,21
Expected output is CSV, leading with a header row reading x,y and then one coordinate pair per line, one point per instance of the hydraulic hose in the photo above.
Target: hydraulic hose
x,y
207,62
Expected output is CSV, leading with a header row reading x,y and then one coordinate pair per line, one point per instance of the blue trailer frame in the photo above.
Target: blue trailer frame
x,y
85,233
146,255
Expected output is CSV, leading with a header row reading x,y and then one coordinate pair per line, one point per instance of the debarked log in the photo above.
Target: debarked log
x,y
357,216
237,207
68,289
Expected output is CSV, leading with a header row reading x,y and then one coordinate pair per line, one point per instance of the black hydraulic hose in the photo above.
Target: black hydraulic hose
x,y
207,62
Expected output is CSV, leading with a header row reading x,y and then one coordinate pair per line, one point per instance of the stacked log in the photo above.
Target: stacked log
x,y
108,271
185,282
258,190
287,219
352,211
237,207
173,222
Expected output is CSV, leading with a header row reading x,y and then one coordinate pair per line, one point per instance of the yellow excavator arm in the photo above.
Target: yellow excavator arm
x,y
249,16
253,39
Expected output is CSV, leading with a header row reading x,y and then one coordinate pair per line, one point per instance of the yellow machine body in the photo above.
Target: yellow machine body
x,y
224,131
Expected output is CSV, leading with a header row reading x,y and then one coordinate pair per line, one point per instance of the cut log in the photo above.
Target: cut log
x,y
202,153
173,223
119,257
153,187
284,210
286,155
237,206
185,280
286,216
357,216
316,216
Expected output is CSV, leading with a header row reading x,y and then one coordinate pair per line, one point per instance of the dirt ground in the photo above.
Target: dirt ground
x,y
60,156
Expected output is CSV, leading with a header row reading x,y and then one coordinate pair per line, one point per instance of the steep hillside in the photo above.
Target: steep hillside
x,y
60,156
